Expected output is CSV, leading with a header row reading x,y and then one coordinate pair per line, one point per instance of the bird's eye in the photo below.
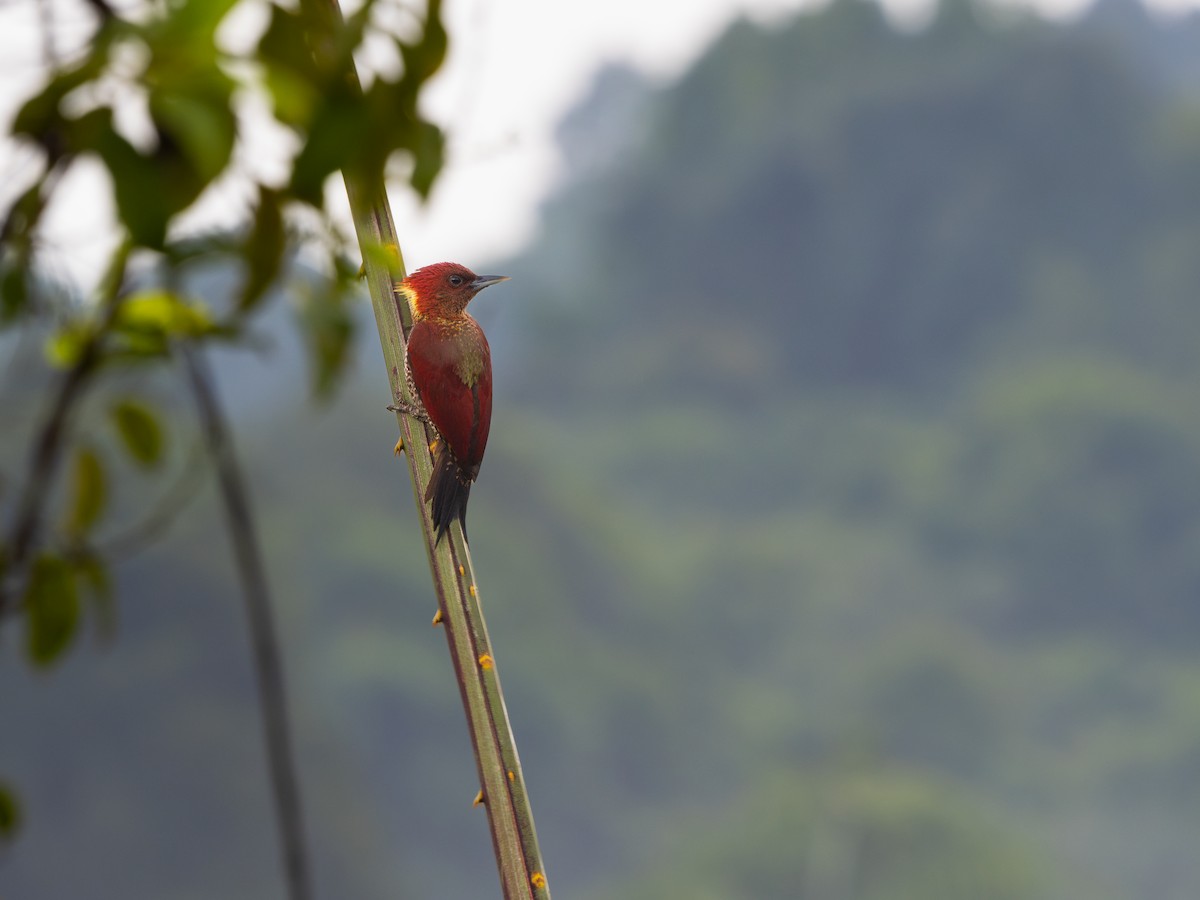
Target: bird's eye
x,y
456,280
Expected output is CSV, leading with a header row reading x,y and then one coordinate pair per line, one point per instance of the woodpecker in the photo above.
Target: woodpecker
x,y
448,367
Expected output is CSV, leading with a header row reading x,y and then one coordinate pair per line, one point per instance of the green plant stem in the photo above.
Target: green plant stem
x,y
510,817
522,873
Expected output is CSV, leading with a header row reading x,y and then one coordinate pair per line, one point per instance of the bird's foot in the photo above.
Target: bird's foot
x,y
411,409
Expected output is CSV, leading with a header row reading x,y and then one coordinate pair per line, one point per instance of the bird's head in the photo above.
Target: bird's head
x,y
444,289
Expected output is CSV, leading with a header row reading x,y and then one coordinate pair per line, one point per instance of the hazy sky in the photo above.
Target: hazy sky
x,y
515,67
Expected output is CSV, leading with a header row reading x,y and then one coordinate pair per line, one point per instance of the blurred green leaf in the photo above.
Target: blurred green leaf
x,y
339,136
64,347
17,228
10,813
190,102
189,27
89,492
163,314
198,115
40,117
14,290
143,198
329,332
263,250
194,140
293,99
139,430
429,155
423,58
347,37
190,96
51,609
422,139
163,311
386,256
292,75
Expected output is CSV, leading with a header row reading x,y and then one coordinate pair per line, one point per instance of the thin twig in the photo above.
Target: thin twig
x,y
268,666
47,451
48,448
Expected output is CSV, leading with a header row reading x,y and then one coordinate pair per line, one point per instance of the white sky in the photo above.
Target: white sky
x,y
515,67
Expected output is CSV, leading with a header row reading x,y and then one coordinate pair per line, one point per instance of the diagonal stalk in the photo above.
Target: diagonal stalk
x,y
514,839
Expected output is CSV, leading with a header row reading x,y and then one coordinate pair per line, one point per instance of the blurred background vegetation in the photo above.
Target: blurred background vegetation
x,y
840,530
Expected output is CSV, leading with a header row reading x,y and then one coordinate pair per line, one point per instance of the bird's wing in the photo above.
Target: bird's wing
x,y
453,376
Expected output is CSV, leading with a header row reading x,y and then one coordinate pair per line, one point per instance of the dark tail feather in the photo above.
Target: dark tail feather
x,y
449,490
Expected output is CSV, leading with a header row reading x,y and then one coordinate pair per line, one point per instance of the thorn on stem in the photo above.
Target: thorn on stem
x,y
479,799
437,617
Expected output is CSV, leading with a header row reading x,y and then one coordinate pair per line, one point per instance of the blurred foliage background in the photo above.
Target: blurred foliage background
x,y
840,531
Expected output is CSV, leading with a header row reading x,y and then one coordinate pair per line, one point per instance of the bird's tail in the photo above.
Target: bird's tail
x,y
449,488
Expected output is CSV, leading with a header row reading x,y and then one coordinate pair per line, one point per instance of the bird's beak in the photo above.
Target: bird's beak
x,y
483,281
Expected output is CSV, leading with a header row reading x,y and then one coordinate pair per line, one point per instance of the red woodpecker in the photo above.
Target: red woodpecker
x,y
449,371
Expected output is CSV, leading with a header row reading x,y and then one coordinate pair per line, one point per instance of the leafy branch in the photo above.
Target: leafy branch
x,y
49,444
168,57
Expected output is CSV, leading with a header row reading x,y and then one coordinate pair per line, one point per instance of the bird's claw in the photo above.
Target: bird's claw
x,y
410,409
